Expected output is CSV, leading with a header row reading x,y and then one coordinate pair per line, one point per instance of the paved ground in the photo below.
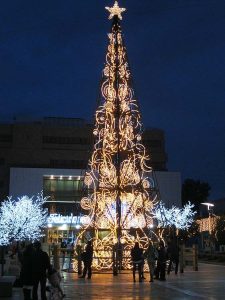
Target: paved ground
x,y
207,283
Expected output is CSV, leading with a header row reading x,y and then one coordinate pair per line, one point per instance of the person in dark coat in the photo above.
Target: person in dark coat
x,y
87,258
151,255
26,274
137,260
41,263
161,262
173,254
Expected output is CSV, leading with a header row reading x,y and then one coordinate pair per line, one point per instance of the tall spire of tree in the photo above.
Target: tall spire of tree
x,y
120,192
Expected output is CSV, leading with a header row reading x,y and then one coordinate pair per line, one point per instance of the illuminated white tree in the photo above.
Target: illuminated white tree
x,y
22,219
181,218
120,191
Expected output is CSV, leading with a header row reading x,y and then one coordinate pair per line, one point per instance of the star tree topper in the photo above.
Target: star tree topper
x,y
115,10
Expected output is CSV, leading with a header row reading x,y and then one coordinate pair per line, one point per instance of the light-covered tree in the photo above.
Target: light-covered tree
x,y
22,219
180,218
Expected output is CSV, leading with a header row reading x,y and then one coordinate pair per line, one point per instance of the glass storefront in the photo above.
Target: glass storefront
x,y
58,236
63,188
65,193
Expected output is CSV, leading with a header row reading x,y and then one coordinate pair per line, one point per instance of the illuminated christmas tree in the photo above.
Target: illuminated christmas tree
x,y
120,194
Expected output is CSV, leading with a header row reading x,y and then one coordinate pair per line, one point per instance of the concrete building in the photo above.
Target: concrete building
x,y
58,143
65,185
52,154
64,188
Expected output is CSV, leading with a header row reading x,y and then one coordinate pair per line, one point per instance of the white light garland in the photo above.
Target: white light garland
x,y
22,219
181,218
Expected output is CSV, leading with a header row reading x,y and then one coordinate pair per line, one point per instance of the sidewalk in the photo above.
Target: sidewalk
x,y
207,283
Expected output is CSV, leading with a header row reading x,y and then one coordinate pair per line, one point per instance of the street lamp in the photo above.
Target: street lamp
x,y
209,206
210,209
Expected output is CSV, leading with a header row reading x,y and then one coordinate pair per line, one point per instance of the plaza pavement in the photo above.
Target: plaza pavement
x,y
207,283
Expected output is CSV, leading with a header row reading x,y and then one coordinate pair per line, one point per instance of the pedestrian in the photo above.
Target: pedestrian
x,y
151,256
41,263
173,254
54,279
26,274
20,250
87,258
137,260
161,262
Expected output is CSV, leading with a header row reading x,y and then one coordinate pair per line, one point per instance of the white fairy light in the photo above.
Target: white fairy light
x,y
22,219
181,218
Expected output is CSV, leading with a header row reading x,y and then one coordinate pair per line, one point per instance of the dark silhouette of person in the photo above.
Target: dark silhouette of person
x,y
41,263
173,254
20,250
161,262
137,260
151,256
87,258
26,273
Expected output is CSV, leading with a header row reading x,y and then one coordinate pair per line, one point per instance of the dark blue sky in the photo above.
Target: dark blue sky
x,y
52,55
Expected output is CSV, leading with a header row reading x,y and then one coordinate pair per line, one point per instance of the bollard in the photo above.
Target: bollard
x,y
55,253
114,259
79,261
182,258
195,257
2,260
79,265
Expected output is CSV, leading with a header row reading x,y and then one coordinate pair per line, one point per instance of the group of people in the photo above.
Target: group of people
x,y
157,258
35,269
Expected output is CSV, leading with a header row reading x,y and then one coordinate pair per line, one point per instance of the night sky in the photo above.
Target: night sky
x,y
52,55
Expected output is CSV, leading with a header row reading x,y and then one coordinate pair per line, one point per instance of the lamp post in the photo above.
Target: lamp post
x,y
210,211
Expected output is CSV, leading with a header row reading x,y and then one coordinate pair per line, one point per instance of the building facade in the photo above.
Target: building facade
x,y
51,155
64,189
58,143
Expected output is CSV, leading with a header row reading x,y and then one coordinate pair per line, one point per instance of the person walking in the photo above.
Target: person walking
x,y
41,263
87,258
161,262
173,253
26,273
137,260
151,255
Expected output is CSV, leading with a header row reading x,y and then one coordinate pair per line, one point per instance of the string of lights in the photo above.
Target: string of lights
x,y
119,189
